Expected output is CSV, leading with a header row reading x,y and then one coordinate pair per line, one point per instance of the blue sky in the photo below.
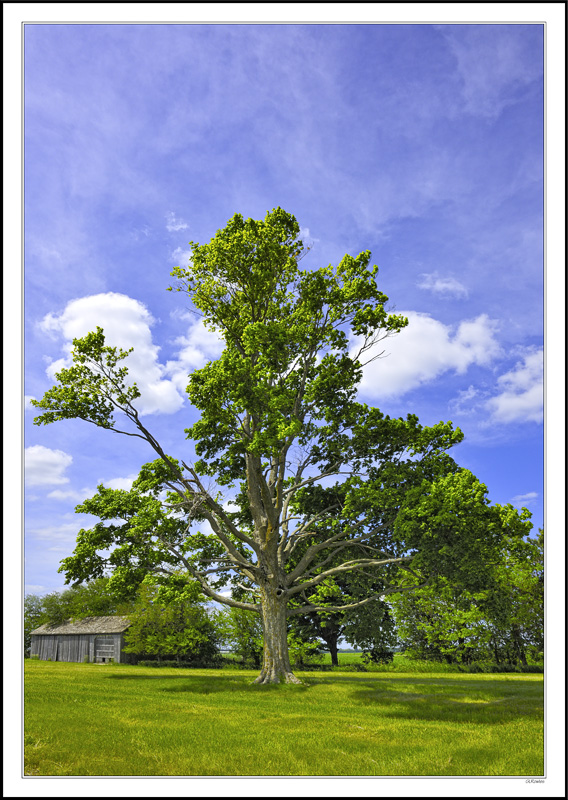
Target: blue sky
x,y
422,143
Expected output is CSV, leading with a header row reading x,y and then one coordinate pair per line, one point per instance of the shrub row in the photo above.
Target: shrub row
x,y
430,666
482,667
182,664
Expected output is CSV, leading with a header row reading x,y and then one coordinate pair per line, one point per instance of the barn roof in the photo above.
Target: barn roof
x,y
87,625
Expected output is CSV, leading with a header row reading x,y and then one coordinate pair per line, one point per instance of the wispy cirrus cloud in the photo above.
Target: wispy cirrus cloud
x,y
527,499
442,286
175,224
69,494
58,532
465,402
496,70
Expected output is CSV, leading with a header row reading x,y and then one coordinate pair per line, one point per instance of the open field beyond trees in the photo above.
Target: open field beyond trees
x,y
87,719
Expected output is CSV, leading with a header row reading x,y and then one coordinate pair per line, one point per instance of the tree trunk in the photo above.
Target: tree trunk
x,y
276,661
518,644
331,642
496,652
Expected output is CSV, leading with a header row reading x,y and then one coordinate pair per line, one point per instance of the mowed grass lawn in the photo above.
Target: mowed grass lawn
x,y
87,719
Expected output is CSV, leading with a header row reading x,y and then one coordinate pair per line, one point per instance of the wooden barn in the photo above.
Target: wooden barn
x,y
93,639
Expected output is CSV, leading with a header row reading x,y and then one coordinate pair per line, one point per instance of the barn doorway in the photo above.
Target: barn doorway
x,y
104,649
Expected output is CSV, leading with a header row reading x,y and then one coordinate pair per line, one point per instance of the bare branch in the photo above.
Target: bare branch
x,y
207,590
240,585
301,533
307,609
348,566
314,549
313,479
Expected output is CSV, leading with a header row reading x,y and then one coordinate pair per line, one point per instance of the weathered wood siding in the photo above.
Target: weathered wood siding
x,y
61,648
74,647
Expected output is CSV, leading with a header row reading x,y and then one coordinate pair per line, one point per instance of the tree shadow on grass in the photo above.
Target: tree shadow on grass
x,y
452,700
435,699
206,684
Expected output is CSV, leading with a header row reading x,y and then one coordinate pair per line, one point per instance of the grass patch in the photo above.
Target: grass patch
x,y
87,719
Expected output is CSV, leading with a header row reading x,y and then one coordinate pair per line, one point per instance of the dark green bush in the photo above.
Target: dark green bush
x,y
181,664
377,656
354,668
488,668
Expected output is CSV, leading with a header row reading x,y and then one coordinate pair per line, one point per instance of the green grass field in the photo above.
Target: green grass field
x,y
90,719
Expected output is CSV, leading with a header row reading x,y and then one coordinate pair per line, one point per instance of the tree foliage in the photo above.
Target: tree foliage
x,y
368,627
33,617
502,622
241,632
172,621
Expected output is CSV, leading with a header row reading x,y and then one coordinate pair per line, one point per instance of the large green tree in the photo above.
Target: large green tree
x,y
502,621
279,425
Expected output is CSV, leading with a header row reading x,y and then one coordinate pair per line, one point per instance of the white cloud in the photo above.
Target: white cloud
x,y
175,224
425,349
35,588
27,405
181,257
197,347
82,494
182,314
69,494
45,467
121,483
126,323
522,395
442,286
307,238
79,495
524,499
66,532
